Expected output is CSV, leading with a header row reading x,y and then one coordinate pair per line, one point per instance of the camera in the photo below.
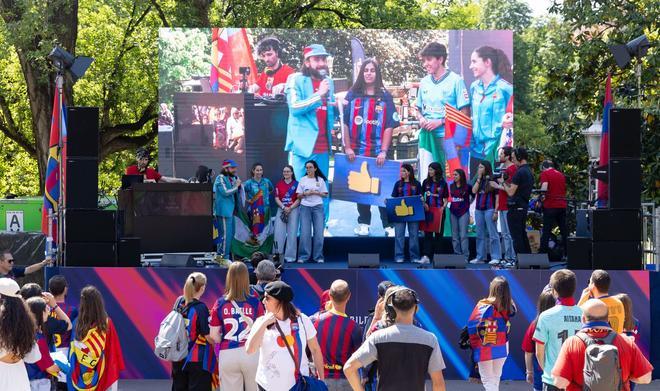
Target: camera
x,y
244,71
500,174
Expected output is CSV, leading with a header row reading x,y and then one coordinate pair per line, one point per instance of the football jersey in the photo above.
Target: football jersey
x,y
367,117
489,105
433,95
234,327
554,326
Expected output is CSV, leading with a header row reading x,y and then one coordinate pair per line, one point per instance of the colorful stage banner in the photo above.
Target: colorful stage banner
x,y
363,181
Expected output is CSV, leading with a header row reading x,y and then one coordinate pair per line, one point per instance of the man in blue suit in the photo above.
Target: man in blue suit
x,y
225,188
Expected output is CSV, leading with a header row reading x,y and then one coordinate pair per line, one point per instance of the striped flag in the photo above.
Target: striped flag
x,y
458,132
55,157
603,195
230,50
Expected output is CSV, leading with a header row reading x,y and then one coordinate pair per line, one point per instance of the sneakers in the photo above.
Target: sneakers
x,y
389,231
301,261
425,260
400,260
509,264
320,260
495,262
362,230
417,260
476,261
290,260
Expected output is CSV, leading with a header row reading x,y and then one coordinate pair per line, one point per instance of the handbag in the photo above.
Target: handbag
x,y
303,383
464,339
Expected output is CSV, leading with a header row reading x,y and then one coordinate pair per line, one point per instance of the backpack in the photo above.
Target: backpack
x,y
602,368
171,343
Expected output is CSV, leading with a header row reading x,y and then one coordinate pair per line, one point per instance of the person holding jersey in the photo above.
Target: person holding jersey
x,y
287,218
489,329
459,212
405,187
257,200
485,215
232,317
312,189
369,117
195,372
277,369
436,194
490,94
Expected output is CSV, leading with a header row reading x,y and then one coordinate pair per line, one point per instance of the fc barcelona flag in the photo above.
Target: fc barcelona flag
x,y
230,51
55,157
458,131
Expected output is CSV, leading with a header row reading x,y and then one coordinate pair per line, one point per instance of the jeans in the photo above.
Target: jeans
x,y
225,235
311,216
364,215
323,161
400,237
486,226
490,372
553,217
505,233
517,219
459,236
287,233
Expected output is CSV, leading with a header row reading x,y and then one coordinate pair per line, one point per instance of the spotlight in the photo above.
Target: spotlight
x,y
638,47
64,61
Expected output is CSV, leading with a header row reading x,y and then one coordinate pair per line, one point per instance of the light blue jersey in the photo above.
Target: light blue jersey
x,y
433,95
488,108
552,329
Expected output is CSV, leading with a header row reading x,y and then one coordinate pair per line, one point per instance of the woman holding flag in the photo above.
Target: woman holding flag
x,y
257,201
490,95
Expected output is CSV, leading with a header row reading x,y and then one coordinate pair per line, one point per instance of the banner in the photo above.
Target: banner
x,y
405,209
362,181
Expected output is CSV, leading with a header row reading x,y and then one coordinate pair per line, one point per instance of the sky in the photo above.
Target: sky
x,y
539,7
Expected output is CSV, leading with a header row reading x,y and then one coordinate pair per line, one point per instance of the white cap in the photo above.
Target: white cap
x,y
9,287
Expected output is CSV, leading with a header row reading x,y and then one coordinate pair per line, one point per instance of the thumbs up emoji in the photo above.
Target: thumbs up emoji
x,y
362,182
403,209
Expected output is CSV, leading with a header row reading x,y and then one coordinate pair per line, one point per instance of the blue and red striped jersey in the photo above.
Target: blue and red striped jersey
x,y
63,340
367,117
435,192
489,332
197,324
339,336
459,199
234,328
485,197
406,189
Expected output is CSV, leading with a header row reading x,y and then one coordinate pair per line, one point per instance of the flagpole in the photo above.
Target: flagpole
x,y
59,81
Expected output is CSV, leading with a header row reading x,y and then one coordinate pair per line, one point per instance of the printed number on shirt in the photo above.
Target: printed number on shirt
x,y
233,325
563,335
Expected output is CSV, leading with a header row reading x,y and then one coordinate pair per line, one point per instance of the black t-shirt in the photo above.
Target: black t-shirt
x,y
525,181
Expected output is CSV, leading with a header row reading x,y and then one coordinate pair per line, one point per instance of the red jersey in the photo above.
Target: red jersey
x,y
501,204
269,78
555,197
286,193
149,173
321,145
235,325
570,363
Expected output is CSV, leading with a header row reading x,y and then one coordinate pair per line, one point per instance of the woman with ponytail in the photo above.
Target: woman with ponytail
x,y
195,372
490,94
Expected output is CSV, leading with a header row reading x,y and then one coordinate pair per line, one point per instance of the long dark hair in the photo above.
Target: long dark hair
x,y
16,327
254,167
501,294
360,85
91,312
487,168
545,302
411,171
37,306
293,172
437,167
462,176
500,62
317,171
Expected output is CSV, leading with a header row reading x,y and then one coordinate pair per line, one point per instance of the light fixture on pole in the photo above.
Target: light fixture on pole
x,y
623,54
592,136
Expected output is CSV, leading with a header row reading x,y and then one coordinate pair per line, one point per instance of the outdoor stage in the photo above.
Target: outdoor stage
x,y
137,299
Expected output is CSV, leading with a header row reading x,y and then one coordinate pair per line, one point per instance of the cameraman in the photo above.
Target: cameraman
x,y
553,183
519,192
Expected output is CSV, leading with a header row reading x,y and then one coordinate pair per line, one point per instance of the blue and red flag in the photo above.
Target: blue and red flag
x,y
230,50
605,142
53,182
458,131
488,330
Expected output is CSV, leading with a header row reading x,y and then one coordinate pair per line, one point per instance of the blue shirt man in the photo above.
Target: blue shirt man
x,y
225,187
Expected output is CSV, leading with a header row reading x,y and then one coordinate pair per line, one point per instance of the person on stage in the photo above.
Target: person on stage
x,y
225,189
519,192
236,131
553,183
459,212
490,94
405,187
286,221
272,80
485,215
369,117
440,87
508,170
312,189
436,194
257,200
150,175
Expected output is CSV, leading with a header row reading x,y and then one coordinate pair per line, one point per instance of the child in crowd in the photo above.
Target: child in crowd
x,y
533,369
41,371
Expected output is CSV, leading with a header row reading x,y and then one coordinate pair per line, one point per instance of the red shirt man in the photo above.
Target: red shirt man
x,y
270,78
554,183
148,173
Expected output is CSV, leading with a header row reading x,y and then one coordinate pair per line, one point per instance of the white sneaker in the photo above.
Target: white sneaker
x,y
326,233
301,261
389,231
320,260
476,261
400,260
362,230
417,261
425,259
494,262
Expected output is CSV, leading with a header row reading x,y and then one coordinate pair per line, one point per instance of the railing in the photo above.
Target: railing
x,y
650,235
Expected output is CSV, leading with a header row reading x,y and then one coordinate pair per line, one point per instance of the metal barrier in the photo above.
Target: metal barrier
x,y
650,235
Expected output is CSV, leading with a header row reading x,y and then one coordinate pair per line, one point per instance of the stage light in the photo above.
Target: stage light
x,y
64,61
638,47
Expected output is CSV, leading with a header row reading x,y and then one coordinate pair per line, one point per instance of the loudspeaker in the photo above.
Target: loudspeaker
x,y
82,132
533,261
617,255
449,261
616,225
625,184
82,181
625,131
578,253
90,225
91,254
178,260
128,252
363,260
582,226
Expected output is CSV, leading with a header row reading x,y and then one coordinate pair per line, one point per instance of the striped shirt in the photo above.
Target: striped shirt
x,y
339,336
234,327
485,197
197,324
406,189
435,192
367,117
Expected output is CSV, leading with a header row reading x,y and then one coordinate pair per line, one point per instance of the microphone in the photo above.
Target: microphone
x,y
323,73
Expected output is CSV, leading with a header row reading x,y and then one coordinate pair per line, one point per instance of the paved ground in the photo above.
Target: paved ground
x,y
452,385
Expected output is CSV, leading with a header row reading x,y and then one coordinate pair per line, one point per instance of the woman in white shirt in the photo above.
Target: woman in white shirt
x,y
277,370
312,189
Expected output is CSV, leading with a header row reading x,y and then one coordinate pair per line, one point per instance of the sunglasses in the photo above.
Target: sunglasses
x,y
9,260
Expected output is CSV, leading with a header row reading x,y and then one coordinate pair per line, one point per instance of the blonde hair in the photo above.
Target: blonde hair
x,y
237,282
628,319
194,283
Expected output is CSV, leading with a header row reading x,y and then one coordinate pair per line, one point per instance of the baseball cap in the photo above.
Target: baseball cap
x,y
229,163
314,50
265,270
280,290
9,287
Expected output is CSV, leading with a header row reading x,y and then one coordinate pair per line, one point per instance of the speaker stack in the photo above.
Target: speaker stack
x,y
615,232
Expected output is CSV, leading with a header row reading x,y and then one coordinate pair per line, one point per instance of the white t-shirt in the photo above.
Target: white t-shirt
x,y
276,370
306,183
